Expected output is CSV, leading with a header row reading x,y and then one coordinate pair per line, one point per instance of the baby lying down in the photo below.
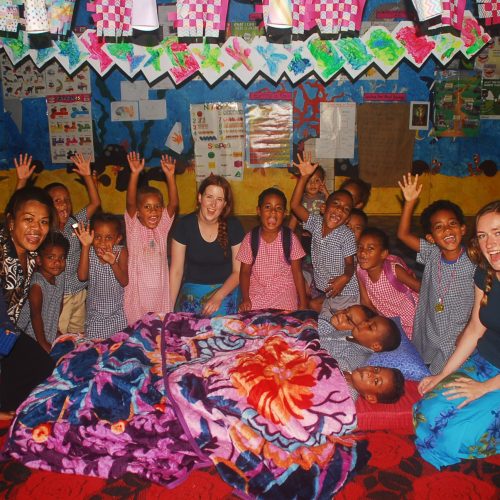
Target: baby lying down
x,y
351,337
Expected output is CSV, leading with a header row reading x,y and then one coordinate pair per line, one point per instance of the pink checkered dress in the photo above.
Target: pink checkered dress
x,y
148,283
389,301
271,280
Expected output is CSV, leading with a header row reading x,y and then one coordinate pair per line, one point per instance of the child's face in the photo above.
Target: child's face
x,y
149,210
62,203
314,184
271,213
52,261
356,224
372,381
30,225
369,333
348,318
106,236
337,211
446,230
355,191
370,253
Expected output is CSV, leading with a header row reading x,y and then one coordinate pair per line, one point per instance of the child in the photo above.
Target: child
x,y
271,257
103,262
40,314
347,318
148,223
374,334
72,319
360,191
447,291
385,283
357,222
376,384
333,244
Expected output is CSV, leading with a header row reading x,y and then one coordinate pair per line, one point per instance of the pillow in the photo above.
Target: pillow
x,y
406,358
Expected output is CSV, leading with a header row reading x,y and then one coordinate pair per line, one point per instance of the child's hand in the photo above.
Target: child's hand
x,y
336,285
323,190
45,346
135,162
108,257
410,188
24,169
245,306
305,165
82,164
168,165
83,233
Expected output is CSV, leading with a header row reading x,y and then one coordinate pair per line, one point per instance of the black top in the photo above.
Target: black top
x,y
205,262
489,344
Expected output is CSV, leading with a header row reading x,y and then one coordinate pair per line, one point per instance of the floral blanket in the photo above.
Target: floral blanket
x,y
251,393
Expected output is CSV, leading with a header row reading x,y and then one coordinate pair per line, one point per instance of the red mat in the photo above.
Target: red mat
x,y
394,471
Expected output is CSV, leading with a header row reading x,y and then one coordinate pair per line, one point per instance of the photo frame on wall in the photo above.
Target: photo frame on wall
x,y
419,115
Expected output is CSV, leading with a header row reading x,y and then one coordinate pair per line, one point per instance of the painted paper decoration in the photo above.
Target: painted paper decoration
x,y
447,47
181,64
41,56
97,58
301,62
473,35
156,63
72,54
275,56
209,57
127,56
357,55
196,18
387,50
327,60
241,58
112,17
418,47
17,48
60,13
341,15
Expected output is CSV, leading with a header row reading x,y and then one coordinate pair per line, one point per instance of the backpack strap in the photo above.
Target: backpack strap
x,y
254,242
392,278
286,240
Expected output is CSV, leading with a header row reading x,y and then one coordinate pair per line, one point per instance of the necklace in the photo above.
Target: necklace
x,y
439,307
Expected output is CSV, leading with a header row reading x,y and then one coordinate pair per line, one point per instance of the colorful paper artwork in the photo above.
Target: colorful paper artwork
x,y
196,18
175,140
327,60
60,14
388,52
209,57
72,54
275,56
17,48
41,56
9,16
447,47
112,17
124,111
97,58
70,126
242,60
473,35
301,62
156,63
181,64
127,56
356,54
418,47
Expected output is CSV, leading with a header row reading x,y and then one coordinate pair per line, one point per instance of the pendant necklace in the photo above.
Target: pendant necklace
x,y
439,307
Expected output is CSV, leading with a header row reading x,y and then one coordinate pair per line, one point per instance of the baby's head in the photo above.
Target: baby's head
x,y
149,204
107,232
271,209
360,191
443,223
337,209
357,222
347,318
52,253
314,182
373,248
378,334
377,384
62,202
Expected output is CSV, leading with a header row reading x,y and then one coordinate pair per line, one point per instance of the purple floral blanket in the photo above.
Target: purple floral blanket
x,y
251,393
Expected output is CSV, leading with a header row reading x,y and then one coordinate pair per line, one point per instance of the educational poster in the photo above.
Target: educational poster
x,y
25,80
269,128
490,106
488,60
58,81
219,139
70,126
457,97
337,130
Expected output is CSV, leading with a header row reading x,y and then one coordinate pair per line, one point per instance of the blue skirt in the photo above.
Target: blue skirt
x,y
193,296
444,434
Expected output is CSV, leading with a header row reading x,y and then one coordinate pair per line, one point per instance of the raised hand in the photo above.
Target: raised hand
x,y
82,165
84,234
135,162
410,188
305,165
24,169
168,165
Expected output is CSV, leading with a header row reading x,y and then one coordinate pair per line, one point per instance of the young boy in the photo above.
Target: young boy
x,y
357,222
447,290
376,384
333,243
39,316
72,319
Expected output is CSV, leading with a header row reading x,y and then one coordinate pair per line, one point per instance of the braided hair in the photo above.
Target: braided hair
x,y
476,255
217,180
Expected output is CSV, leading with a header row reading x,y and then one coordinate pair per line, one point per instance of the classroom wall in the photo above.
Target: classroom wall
x,y
456,156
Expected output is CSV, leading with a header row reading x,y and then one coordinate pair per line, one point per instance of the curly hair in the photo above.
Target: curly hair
x,y
217,180
425,217
477,256
394,393
271,191
54,239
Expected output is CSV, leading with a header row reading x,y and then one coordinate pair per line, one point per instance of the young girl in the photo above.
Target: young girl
x,y
360,191
447,292
271,273
40,314
148,222
103,262
386,285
